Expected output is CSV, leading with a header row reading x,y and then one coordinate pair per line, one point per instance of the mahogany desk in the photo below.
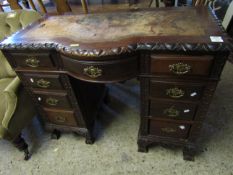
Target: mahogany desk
x,y
177,53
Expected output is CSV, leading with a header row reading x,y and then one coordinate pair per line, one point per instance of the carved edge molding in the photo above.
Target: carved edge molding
x,y
200,47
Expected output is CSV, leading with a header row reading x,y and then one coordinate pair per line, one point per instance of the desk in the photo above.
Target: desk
x,y
177,53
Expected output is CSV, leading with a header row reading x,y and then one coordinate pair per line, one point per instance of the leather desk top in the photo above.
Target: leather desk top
x,y
116,33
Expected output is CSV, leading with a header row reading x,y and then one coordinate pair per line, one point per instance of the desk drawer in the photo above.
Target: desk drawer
x,y
176,90
102,71
174,110
53,100
44,81
60,117
180,65
169,129
33,60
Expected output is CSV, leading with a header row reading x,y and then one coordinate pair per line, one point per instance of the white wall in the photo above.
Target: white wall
x,y
228,16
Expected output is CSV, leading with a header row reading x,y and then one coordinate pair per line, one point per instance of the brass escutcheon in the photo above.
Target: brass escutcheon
x,y
92,71
168,130
171,112
43,83
52,101
175,92
32,62
60,119
179,68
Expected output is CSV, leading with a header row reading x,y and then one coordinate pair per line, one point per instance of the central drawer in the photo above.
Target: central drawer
x,y
102,71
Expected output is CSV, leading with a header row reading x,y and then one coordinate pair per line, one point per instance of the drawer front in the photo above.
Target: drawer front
x,y
61,117
176,90
174,110
176,65
53,100
33,60
44,81
168,129
97,71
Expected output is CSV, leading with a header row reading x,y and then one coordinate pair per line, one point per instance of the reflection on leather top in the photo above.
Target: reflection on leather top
x,y
117,26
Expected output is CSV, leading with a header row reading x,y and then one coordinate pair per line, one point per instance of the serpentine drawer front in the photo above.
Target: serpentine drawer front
x,y
108,70
178,63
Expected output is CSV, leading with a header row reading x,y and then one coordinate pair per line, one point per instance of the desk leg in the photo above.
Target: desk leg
x,y
56,134
189,153
89,139
20,143
142,145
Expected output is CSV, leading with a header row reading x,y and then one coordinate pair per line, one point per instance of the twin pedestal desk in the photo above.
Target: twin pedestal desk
x,y
177,54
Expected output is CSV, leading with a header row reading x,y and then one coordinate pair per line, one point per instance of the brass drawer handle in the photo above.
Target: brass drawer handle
x,y
92,71
171,112
175,92
168,130
179,68
43,83
32,62
52,101
60,119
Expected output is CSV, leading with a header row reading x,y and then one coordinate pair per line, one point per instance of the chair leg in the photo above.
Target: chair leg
x,y
20,143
